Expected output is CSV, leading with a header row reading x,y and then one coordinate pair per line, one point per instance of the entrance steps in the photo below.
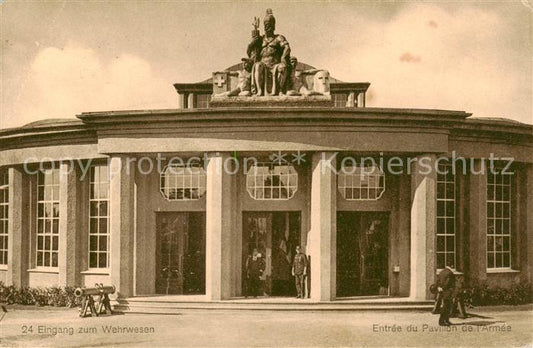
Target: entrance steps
x,y
178,304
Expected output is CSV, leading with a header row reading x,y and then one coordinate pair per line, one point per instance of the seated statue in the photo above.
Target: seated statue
x,y
270,53
244,85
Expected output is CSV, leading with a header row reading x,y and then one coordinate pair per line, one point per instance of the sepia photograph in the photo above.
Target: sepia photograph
x,y
311,173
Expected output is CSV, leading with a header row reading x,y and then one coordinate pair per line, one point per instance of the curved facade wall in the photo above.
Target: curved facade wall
x,y
406,217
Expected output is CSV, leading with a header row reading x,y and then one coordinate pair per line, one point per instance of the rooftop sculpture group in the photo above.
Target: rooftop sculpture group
x,y
270,70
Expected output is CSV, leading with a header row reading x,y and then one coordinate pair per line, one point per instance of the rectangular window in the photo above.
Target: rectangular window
x,y
499,220
4,203
99,217
47,218
340,99
202,101
446,216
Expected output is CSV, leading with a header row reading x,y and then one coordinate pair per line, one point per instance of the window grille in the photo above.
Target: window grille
x,y
269,181
499,220
99,236
47,218
183,182
361,183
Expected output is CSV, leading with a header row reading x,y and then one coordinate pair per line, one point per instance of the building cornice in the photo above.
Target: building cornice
x,y
273,113
91,126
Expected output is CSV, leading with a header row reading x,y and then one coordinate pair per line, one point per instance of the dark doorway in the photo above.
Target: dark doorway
x,y
275,235
180,253
362,253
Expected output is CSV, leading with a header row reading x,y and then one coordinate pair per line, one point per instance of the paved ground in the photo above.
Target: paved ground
x,y
494,326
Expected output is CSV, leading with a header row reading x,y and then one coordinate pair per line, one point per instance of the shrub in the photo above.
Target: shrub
x,y
53,296
482,295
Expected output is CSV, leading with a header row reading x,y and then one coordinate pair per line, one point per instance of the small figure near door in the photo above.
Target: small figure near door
x,y
299,271
255,267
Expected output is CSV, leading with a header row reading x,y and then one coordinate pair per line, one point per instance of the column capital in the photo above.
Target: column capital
x,y
326,160
222,154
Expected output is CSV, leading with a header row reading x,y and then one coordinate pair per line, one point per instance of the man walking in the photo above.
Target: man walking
x,y
299,270
445,286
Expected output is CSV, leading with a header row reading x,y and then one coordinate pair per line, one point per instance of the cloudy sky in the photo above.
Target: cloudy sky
x,y
60,58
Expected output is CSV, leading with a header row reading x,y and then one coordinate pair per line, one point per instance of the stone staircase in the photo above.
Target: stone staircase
x,y
180,304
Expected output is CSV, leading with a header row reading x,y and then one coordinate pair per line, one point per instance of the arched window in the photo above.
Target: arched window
x,y
361,183
269,181
183,182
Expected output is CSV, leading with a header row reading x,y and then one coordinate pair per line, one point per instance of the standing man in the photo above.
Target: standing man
x,y
446,286
254,270
299,270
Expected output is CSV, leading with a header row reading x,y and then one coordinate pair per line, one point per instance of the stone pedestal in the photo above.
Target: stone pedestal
x,y
122,222
272,101
68,261
423,226
323,234
219,226
18,234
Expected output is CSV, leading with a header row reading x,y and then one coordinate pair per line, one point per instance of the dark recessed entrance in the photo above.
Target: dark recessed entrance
x,y
180,253
362,253
275,235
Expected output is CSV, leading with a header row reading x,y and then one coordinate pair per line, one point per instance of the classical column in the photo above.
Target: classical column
x,y
351,100
17,227
190,101
323,234
181,101
361,100
68,260
476,270
121,220
219,226
423,225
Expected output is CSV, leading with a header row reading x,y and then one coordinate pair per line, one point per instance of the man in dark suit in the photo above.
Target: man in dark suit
x,y
446,286
299,270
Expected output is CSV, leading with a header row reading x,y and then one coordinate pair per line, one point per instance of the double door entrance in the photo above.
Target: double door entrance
x,y
362,253
180,253
275,235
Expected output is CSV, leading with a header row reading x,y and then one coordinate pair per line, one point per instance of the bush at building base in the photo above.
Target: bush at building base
x,y
51,296
483,295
